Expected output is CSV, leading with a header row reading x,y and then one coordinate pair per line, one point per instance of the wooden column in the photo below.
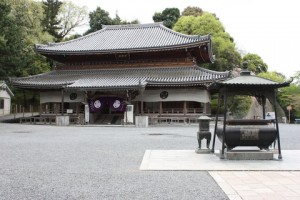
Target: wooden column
x,y
184,107
160,107
142,102
62,100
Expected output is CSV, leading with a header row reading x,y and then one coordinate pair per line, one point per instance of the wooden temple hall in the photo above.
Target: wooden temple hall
x,y
148,68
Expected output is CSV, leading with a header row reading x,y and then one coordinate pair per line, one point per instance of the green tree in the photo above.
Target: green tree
x,y
20,30
274,76
227,56
20,25
192,11
287,95
168,16
98,18
70,17
50,21
239,106
255,63
101,17
297,77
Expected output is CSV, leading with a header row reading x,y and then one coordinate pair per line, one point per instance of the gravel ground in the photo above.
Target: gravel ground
x,y
49,162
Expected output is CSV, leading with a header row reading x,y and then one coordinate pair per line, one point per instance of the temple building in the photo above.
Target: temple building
x,y
5,99
155,69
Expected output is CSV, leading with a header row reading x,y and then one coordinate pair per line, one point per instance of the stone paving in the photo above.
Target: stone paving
x,y
49,162
259,185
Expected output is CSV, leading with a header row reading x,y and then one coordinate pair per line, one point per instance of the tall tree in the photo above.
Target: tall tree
x,y
70,17
168,16
20,30
101,17
192,11
98,18
255,63
50,22
227,56
287,95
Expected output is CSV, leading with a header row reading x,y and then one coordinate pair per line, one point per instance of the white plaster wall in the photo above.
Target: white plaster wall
x,y
55,96
197,95
7,102
4,94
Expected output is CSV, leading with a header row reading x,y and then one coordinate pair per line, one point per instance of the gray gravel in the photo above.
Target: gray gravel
x,y
49,162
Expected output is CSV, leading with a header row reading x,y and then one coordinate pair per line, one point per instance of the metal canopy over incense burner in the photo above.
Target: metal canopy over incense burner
x,y
246,132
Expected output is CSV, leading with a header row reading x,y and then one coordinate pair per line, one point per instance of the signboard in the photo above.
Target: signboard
x,y
86,113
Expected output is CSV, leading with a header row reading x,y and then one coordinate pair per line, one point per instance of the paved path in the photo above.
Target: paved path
x,y
50,162
258,185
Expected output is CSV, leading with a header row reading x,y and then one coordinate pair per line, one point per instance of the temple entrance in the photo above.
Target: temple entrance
x,y
107,110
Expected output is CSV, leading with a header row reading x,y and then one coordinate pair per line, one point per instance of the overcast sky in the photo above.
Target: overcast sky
x,y
269,28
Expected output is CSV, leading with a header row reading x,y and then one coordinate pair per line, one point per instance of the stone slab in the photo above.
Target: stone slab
x,y
249,155
201,151
141,121
62,120
189,160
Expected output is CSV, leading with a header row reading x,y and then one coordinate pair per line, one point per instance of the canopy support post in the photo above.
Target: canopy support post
x,y
217,118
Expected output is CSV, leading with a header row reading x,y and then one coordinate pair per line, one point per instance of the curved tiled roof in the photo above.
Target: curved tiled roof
x,y
247,80
120,78
119,38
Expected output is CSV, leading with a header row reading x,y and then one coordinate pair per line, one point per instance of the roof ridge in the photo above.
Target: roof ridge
x,y
121,26
211,71
70,41
183,35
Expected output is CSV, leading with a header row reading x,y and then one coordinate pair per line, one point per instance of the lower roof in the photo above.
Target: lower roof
x,y
121,78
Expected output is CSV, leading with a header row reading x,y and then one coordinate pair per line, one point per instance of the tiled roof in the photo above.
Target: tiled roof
x,y
120,78
120,38
246,79
3,86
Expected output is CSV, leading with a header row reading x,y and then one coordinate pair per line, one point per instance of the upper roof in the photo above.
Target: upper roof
x,y
3,86
247,80
128,78
124,38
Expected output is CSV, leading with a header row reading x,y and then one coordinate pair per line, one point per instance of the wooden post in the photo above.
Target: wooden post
x,y
160,107
184,107
62,101
142,102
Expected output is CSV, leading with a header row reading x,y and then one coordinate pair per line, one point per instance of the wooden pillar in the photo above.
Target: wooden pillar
x,y
184,107
41,109
206,108
142,102
62,101
160,107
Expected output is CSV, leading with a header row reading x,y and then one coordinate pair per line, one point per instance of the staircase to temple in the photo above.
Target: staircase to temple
x,y
107,119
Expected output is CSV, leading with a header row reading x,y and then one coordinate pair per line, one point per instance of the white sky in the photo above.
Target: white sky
x,y
269,28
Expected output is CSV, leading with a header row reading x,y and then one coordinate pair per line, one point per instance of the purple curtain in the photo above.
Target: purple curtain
x,y
100,103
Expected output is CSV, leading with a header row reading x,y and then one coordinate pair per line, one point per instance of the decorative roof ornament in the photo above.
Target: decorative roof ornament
x,y
245,71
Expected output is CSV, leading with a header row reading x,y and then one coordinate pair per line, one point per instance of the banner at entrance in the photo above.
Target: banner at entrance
x,y
112,103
